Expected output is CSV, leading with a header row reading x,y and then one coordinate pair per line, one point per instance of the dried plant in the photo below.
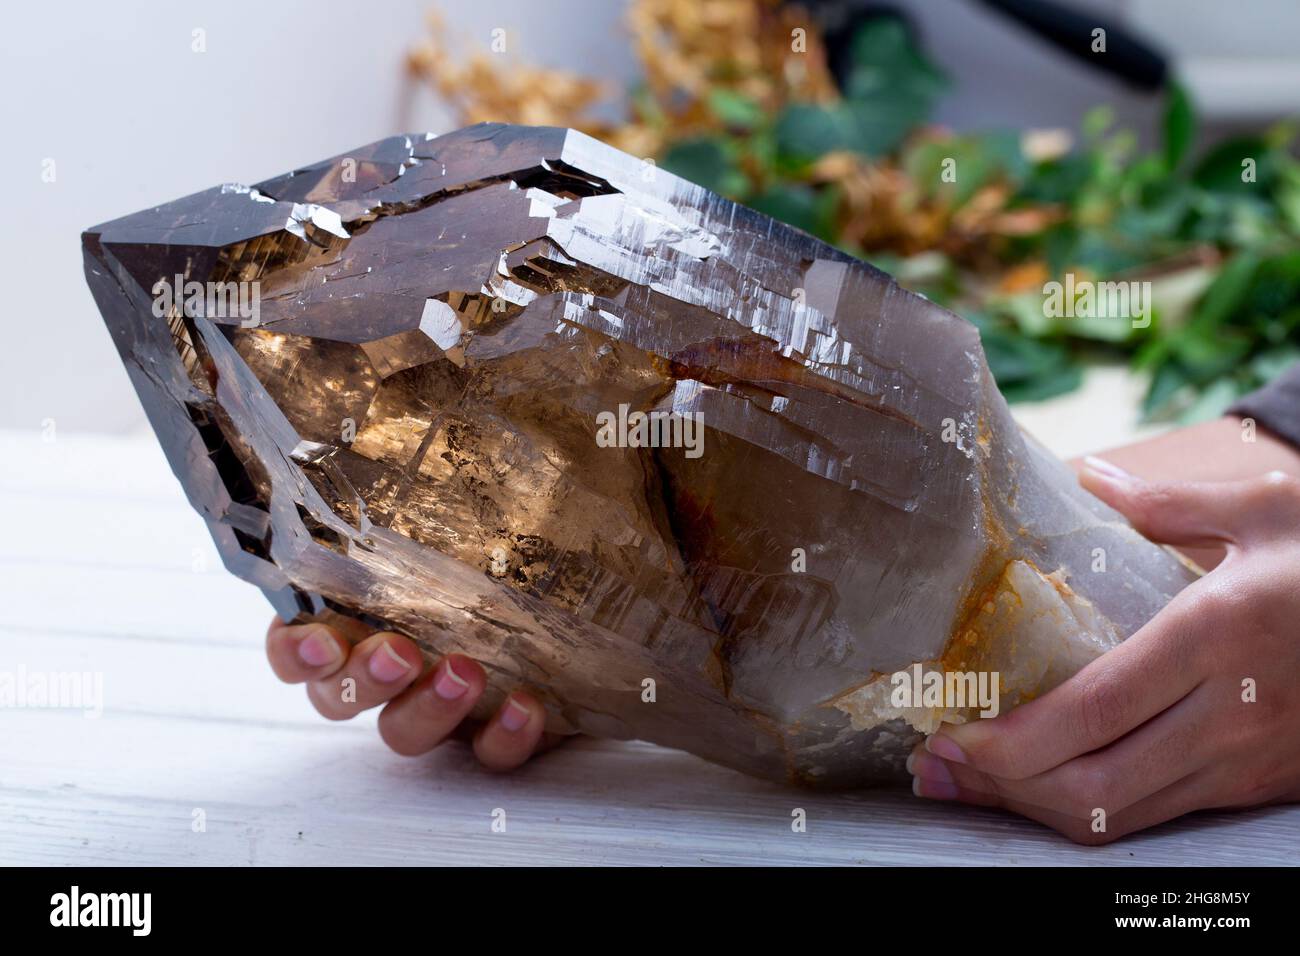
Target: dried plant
x,y
737,95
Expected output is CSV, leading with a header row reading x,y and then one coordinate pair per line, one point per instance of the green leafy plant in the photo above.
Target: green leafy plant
x,y
980,222
1217,236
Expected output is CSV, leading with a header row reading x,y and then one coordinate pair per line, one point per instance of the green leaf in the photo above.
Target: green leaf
x,y
1169,380
1287,195
878,125
1225,293
1207,354
1222,168
1059,380
1004,150
708,162
1179,126
890,90
805,132
799,205
735,110
1059,180
973,162
887,64
1027,370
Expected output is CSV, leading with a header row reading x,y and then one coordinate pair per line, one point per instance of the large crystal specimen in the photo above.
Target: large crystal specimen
x,y
687,473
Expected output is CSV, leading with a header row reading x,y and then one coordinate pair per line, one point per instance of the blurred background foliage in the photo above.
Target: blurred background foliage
x,y
738,95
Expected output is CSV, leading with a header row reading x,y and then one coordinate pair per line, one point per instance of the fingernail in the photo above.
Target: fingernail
x,y
448,684
386,665
318,649
944,747
933,790
514,715
929,767
1106,469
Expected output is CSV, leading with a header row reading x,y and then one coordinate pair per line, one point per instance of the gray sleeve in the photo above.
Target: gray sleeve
x,y
1276,406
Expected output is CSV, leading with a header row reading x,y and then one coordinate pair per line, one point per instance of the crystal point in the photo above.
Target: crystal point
x,y
688,474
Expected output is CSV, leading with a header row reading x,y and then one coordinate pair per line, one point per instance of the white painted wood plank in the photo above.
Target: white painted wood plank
x,y
100,575
87,465
48,527
165,677
61,597
124,790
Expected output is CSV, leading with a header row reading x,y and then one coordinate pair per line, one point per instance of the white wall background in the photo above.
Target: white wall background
x,y
132,117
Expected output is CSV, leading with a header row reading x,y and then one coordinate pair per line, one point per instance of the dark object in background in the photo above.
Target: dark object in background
x,y
1128,57
1276,406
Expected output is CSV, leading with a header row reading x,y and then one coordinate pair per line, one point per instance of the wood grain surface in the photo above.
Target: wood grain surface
x,y
105,569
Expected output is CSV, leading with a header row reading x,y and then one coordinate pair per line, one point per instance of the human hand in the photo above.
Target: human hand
x,y
1165,723
420,712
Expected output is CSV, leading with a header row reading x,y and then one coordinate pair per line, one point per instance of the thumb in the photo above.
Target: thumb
x,y
1182,513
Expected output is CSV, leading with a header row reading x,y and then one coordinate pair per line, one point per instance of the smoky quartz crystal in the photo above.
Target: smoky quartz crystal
x,y
688,474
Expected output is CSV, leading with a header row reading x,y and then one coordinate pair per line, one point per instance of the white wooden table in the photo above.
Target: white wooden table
x,y
106,570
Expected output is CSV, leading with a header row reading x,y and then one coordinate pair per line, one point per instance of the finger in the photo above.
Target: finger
x,y
1189,514
303,652
1193,792
1093,826
1170,747
378,669
1101,826
1271,507
1161,752
1120,690
423,715
511,736
937,779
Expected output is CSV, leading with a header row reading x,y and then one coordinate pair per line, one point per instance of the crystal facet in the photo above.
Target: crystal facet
x,y
688,474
